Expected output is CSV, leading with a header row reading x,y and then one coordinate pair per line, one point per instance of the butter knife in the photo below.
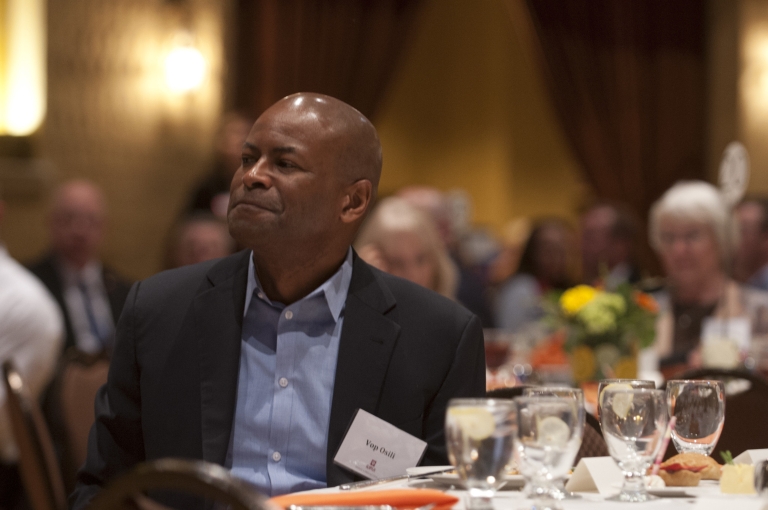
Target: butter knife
x,y
370,483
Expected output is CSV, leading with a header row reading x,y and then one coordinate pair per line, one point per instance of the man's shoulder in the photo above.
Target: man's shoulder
x,y
186,280
413,300
43,267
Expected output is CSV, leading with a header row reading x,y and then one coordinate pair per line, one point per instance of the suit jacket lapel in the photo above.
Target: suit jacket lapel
x,y
218,313
367,340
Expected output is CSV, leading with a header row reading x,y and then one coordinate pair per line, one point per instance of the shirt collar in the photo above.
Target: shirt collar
x,y
90,274
334,289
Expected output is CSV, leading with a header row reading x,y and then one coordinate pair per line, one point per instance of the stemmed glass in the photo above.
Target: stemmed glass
x,y
699,408
634,422
548,437
620,383
557,487
479,435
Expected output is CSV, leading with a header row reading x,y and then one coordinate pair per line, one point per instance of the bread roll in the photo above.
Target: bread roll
x,y
686,469
681,478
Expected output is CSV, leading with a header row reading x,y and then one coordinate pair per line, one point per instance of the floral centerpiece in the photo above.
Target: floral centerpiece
x,y
605,330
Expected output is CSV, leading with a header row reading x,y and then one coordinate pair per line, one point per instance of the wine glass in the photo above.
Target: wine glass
x,y
548,437
620,383
634,422
699,410
558,485
479,435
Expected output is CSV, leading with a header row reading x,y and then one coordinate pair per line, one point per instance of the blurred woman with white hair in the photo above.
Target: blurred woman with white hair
x,y
402,240
693,231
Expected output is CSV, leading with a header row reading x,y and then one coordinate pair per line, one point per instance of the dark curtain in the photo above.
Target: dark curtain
x,y
627,78
344,48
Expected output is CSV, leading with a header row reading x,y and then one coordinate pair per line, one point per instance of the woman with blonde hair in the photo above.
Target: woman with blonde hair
x,y
693,231
402,240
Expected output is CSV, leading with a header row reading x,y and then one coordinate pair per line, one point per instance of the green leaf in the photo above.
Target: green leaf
x,y
727,457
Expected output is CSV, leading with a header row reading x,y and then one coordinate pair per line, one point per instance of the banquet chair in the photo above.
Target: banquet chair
x,y
746,412
38,465
512,392
592,443
190,477
70,409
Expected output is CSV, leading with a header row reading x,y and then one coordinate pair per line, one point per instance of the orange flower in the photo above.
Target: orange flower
x,y
550,352
646,302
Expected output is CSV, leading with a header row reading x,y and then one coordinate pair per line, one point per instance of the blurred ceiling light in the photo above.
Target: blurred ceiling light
x,y
22,66
184,66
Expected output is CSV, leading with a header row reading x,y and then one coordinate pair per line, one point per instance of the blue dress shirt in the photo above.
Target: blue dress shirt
x,y
285,385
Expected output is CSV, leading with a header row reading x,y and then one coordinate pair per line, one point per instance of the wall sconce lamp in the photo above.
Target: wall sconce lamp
x,y
22,66
185,66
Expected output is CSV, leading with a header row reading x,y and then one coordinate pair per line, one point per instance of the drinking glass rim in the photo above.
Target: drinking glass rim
x,y
636,390
543,398
612,381
552,388
479,401
695,381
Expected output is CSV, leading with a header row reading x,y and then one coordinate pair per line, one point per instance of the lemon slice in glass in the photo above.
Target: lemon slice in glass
x,y
553,431
476,422
614,386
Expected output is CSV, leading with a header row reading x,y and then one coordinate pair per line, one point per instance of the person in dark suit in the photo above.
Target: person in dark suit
x,y
90,295
260,360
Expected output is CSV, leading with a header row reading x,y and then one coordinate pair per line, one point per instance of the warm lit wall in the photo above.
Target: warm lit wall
x,y
468,110
753,89
111,119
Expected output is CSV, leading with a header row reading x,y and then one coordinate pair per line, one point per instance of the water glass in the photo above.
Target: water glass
x,y
557,488
699,408
634,422
620,383
479,435
547,440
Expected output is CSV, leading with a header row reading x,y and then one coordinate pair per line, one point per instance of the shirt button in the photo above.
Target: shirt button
x,y
283,382
289,315
261,295
276,456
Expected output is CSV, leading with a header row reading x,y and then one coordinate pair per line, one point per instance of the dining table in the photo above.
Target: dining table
x,y
706,496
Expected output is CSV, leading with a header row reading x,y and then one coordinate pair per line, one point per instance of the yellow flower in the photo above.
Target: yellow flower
x,y
576,298
583,363
626,368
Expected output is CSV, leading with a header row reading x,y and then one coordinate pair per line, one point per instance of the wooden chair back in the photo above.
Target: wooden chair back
x,y
193,477
38,464
746,412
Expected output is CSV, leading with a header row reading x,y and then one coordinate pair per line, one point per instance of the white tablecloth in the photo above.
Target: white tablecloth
x,y
707,497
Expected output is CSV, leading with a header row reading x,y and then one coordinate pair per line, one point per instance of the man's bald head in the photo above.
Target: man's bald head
x,y
76,222
358,146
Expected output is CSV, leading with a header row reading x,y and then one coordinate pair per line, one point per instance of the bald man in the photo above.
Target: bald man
x,y
89,294
259,361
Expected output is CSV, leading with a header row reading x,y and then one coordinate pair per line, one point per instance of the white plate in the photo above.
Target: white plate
x,y
512,481
420,470
671,492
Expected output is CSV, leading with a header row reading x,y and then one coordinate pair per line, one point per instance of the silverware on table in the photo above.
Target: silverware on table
x,y
370,483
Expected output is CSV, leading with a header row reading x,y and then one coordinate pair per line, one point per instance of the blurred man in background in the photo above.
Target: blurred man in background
x,y
90,295
31,332
198,238
472,290
751,261
607,245
211,195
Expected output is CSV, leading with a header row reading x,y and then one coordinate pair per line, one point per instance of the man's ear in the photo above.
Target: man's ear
x,y
357,199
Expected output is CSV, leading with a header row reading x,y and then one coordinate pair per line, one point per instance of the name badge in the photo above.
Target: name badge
x,y
375,449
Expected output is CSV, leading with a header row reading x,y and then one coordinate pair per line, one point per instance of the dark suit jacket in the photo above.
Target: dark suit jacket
x,y
404,352
117,291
